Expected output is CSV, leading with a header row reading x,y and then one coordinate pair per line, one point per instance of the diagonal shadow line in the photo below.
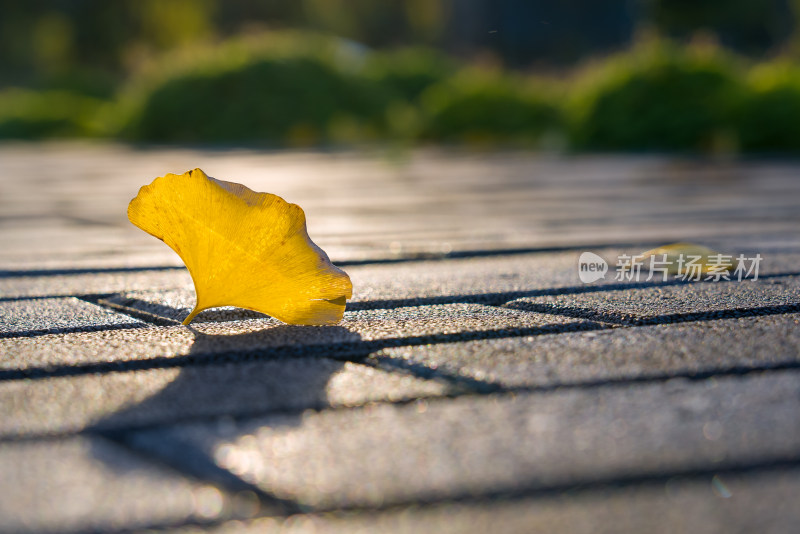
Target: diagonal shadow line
x,y
730,313
128,309
500,298
162,315
673,318
574,312
687,374
29,273
46,297
71,330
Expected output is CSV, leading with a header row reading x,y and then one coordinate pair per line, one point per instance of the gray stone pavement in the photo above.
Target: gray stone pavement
x,y
474,385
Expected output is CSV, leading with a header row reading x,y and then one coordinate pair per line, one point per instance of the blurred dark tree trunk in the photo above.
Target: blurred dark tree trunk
x,y
752,27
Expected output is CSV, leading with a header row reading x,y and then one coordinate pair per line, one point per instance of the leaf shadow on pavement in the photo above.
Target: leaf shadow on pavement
x,y
220,391
223,376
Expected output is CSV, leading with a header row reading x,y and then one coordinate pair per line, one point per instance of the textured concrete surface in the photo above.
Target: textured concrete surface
x,y
474,385
433,451
610,354
359,332
62,281
671,303
80,484
706,504
53,315
360,207
110,400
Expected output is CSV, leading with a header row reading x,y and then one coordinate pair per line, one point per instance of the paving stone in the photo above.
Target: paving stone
x,y
124,256
164,388
152,375
15,287
509,198
54,315
615,354
669,303
472,446
729,502
105,400
63,232
81,484
359,333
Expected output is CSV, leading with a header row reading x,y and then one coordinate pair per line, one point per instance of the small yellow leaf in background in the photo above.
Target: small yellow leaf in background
x,y
676,259
242,248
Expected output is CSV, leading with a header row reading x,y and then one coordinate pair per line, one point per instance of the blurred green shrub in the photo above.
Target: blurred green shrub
x,y
770,118
283,100
27,114
291,90
409,72
488,107
658,97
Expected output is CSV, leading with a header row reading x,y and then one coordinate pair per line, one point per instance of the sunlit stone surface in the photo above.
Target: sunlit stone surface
x,y
475,383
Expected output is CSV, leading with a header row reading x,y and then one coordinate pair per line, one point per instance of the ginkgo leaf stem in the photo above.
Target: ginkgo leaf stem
x,y
191,316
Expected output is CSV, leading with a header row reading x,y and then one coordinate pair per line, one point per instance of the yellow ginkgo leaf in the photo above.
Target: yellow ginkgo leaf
x,y
686,258
242,248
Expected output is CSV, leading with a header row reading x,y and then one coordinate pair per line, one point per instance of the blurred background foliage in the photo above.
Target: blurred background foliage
x,y
687,75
